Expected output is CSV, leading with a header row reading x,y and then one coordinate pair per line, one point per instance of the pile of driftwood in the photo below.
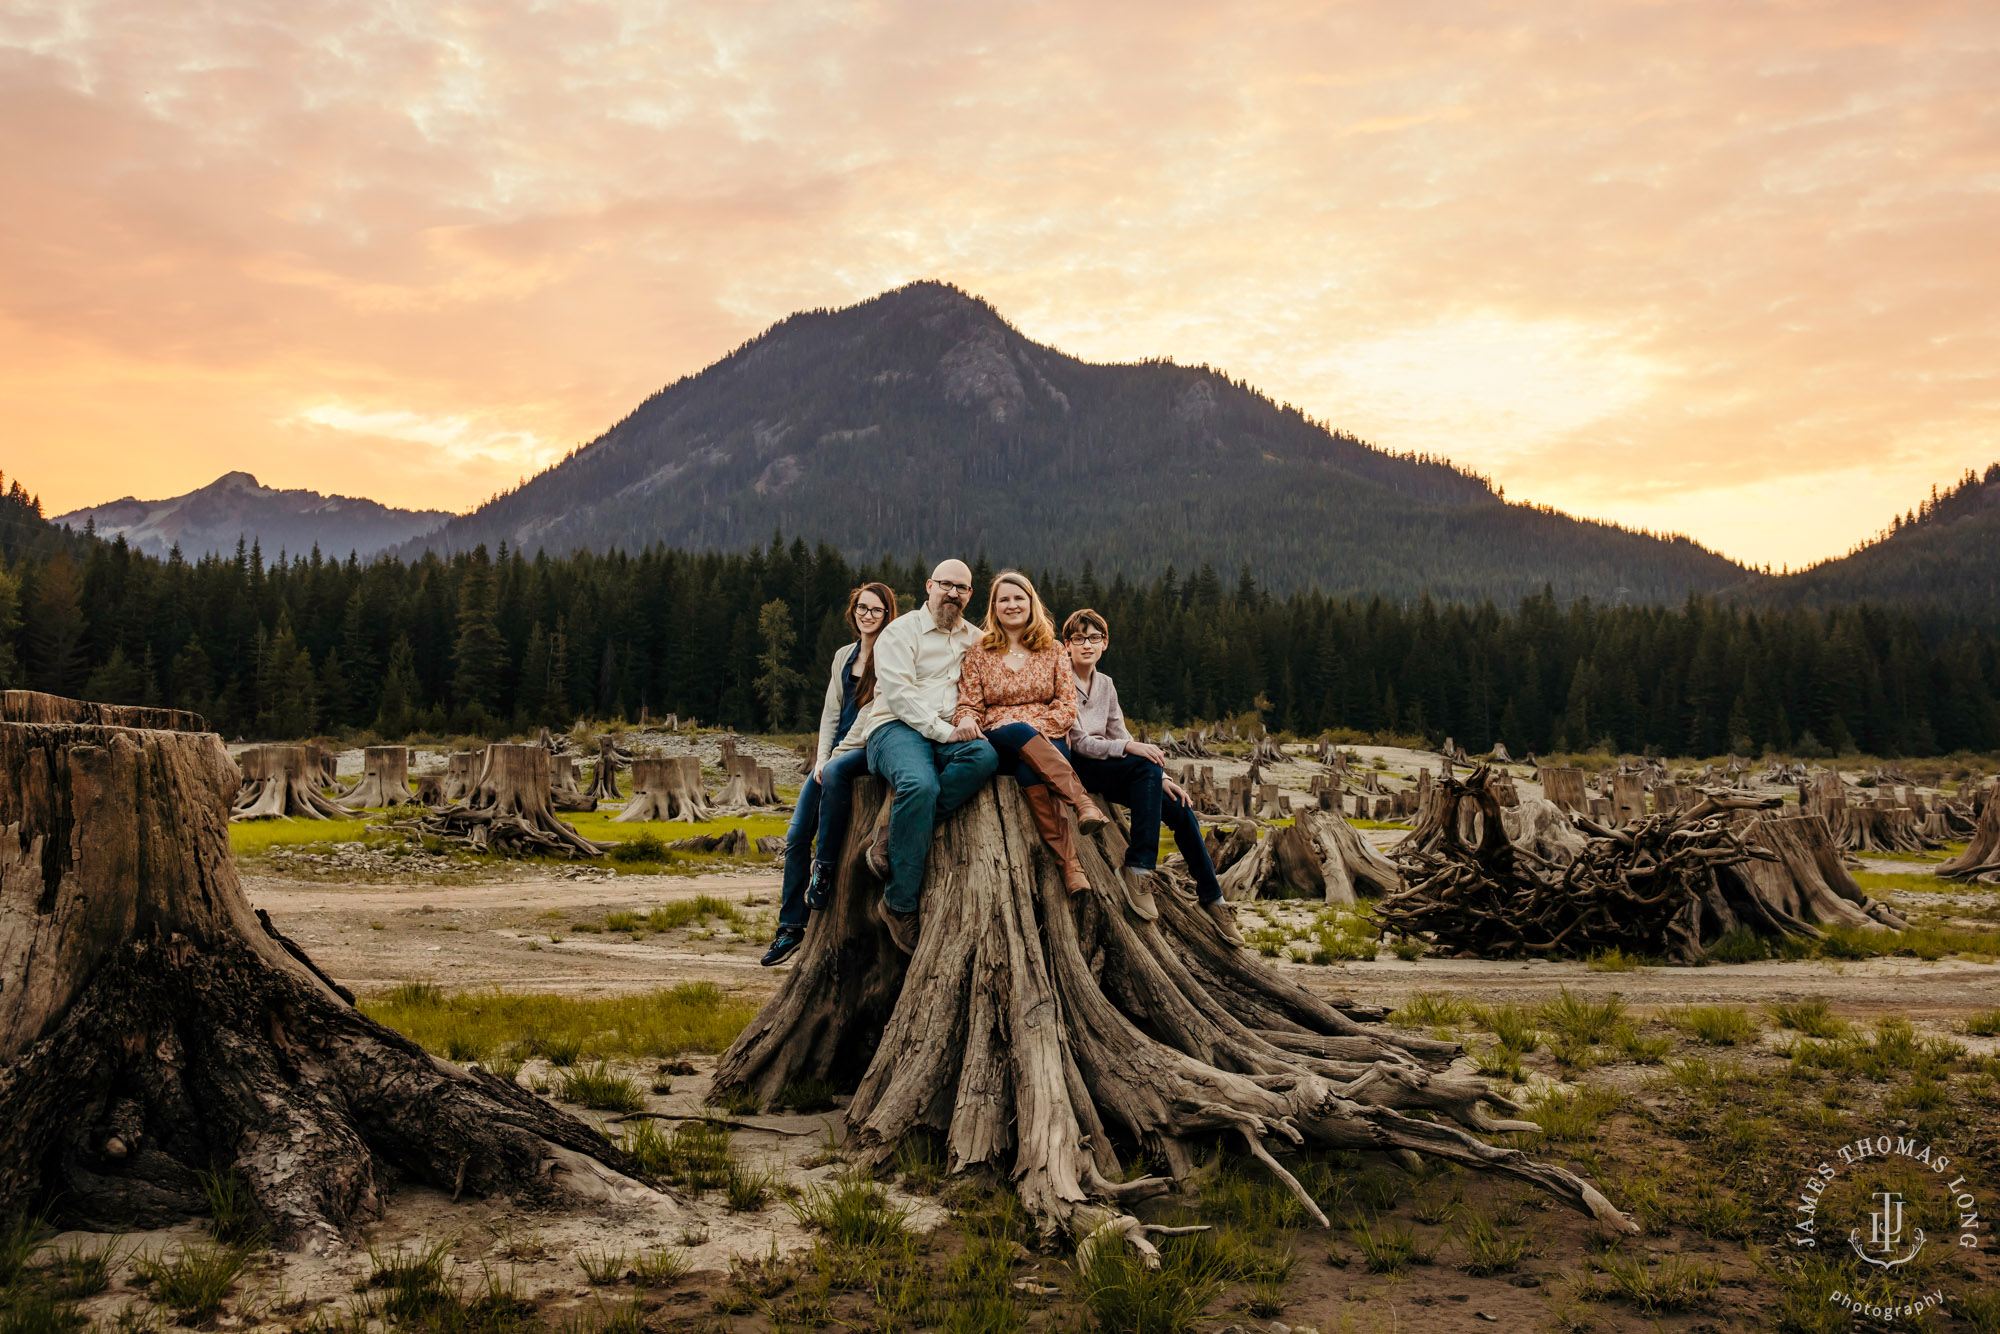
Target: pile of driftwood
x,y
1670,885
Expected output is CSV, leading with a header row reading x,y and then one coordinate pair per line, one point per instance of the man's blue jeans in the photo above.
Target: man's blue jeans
x,y
824,804
928,780
1137,785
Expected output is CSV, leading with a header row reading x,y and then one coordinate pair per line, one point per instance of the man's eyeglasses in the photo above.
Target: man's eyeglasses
x,y
1091,640
950,587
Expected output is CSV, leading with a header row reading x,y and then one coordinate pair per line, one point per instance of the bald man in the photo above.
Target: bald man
x,y
932,767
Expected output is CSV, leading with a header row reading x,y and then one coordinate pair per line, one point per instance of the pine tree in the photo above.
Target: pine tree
x,y
532,696
56,627
777,681
11,677
401,695
476,661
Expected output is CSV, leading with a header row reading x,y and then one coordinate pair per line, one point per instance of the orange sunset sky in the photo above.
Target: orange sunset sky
x,y
1725,268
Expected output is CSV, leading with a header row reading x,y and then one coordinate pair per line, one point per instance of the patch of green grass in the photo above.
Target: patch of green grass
x,y
1740,946
810,1094
194,1284
1388,1245
690,1017
736,1100
1425,1008
852,1213
1811,1016
20,1238
1572,1116
599,1088
603,1266
1716,1025
1634,1047
81,1270
1676,1283
232,1213
1983,1024
1489,1250
1125,1297
1499,1062
700,908
1614,961
1577,1017
255,838
657,1269
694,1155
38,1311
748,1190
1512,1024
642,847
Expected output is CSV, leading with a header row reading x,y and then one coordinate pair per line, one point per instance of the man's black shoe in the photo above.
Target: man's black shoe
x,y
902,926
819,886
782,945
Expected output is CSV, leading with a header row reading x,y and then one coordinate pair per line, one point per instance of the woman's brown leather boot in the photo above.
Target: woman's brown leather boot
x,y
1053,826
1057,773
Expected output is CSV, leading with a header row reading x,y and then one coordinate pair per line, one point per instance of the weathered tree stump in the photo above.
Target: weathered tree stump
x,y
564,792
461,773
509,810
1318,856
385,780
282,781
430,789
1807,884
1045,1036
666,789
1565,788
604,779
153,1028
1981,859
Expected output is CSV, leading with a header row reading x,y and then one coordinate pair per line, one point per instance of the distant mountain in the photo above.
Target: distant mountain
x,y
234,506
922,423
1943,557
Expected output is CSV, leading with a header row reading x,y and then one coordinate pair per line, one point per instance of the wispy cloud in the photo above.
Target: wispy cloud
x,y
1707,266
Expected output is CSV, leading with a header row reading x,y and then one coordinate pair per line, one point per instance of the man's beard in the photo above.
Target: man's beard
x,y
948,614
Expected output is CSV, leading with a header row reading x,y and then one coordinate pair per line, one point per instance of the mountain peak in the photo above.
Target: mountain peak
x,y
921,423
236,505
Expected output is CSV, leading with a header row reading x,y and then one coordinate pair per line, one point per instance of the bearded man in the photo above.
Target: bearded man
x,y
932,767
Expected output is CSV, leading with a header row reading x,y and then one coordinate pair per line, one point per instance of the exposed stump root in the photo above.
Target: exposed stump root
x,y
1043,1035
152,1029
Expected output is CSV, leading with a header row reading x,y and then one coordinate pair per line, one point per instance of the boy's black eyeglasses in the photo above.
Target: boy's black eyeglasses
x,y
1090,639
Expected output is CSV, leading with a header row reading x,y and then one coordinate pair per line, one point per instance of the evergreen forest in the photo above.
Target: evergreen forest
x,y
493,642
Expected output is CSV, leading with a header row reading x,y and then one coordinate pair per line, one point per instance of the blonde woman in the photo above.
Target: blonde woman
x,y
1017,689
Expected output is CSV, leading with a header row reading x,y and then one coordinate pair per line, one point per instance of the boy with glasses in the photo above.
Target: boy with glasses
x,y
1133,774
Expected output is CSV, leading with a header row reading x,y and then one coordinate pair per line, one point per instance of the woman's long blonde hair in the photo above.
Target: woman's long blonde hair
x,y
1041,631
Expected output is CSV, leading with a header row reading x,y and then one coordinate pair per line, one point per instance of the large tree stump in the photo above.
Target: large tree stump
x,y
153,1028
1046,1037
509,810
1318,856
385,780
1981,859
666,789
604,779
282,781
1807,885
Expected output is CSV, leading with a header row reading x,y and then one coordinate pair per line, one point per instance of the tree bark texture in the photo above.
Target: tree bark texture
x,y
282,781
1047,1036
565,793
509,810
154,1028
385,780
461,772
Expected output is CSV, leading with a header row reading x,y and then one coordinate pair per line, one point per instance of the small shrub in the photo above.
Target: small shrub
x,y
1847,942
1811,1016
1512,1025
1613,961
1388,1246
624,921
1740,946
1644,1050
232,1213
1675,1284
646,847
1409,951
598,1088
1499,1062
561,1052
